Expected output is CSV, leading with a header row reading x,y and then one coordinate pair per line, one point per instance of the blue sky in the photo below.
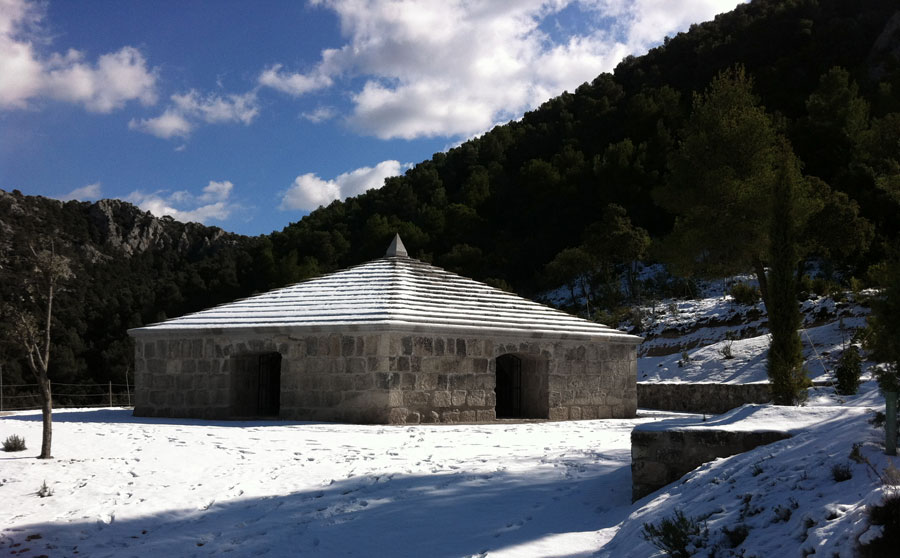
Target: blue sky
x,y
248,115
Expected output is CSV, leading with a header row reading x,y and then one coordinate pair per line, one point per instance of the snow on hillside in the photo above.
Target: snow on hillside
x,y
126,486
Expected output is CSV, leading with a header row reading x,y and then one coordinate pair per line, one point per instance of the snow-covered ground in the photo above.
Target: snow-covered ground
x,y
125,486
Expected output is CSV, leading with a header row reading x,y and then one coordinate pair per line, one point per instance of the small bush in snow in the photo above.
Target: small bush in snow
x,y
14,443
891,475
678,536
841,472
742,293
848,371
737,535
887,516
856,453
45,491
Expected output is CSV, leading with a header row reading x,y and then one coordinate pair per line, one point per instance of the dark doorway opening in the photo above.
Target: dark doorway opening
x,y
257,385
509,387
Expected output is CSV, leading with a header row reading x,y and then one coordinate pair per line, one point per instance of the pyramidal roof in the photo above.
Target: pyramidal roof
x,y
395,292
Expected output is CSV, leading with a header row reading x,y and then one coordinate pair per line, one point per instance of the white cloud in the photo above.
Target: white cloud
x,y
89,192
292,84
191,108
455,68
320,114
169,124
309,191
115,79
214,108
211,205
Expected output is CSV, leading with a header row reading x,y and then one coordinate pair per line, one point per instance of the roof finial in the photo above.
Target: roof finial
x,y
396,248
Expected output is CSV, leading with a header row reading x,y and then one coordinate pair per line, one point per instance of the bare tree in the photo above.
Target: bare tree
x,y
29,319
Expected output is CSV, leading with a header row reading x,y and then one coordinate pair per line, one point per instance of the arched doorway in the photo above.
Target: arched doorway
x,y
256,385
521,387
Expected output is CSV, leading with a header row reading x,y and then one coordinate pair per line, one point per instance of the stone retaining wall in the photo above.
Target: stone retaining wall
x,y
383,377
700,398
660,457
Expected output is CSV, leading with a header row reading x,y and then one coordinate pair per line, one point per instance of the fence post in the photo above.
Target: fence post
x,y
110,393
127,387
1,387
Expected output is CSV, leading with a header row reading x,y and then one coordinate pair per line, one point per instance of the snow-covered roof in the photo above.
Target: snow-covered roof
x,y
394,292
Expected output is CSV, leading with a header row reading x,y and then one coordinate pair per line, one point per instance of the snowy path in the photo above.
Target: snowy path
x,y
154,487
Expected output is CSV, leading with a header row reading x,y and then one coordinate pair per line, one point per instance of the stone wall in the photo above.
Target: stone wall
x,y
378,377
700,398
660,457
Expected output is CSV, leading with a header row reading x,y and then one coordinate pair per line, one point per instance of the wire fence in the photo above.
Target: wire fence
x,y
20,397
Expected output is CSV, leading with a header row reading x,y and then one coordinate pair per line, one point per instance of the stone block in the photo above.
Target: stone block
x,y
378,364
423,346
386,380
395,398
559,413
407,380
348,346
427,382
400,364
363,381
441,399
460,381
484,381
413,418
475,398
398,415
574,413
490,398
589,412
486,415
458,397
467,416
416,399
450,416
430,417
439,346
371,343
355,365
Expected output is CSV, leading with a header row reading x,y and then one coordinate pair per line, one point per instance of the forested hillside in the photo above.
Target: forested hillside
x,y
525,205
505,204
128,268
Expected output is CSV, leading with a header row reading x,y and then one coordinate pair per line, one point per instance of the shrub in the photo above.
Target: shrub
x,y
841,472
887,515
676,536
848,371
45,491
14,443
742,293
737,535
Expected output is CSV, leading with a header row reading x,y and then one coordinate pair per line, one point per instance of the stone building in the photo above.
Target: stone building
x,y
393,341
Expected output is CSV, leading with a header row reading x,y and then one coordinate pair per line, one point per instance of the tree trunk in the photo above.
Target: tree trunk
x,y
760,271
47,414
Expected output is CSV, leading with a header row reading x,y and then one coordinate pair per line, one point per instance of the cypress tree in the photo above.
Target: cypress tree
x,y
785,361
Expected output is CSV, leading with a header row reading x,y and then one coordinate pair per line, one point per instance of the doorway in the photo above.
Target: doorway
x,y
509,387
521,387
256,385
